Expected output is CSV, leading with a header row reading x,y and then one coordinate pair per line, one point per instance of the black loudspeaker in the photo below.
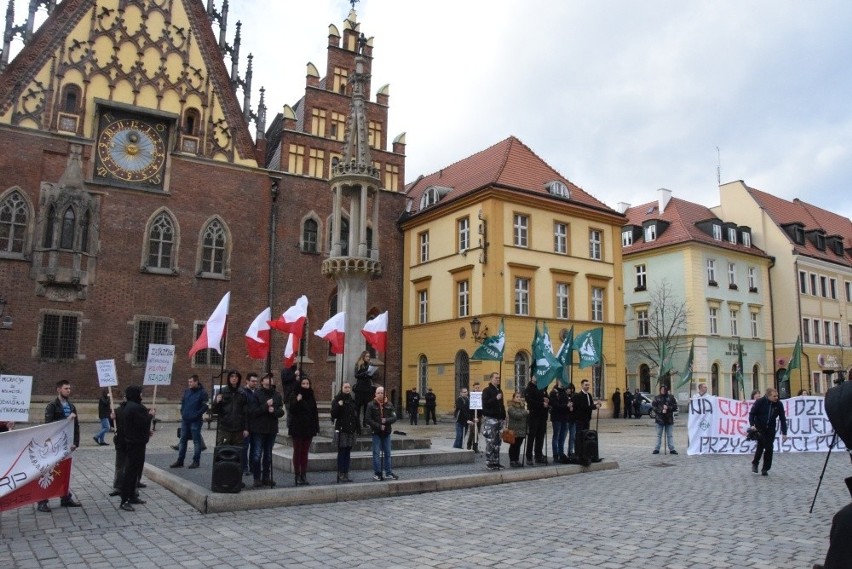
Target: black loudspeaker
x,y
587,447
227,469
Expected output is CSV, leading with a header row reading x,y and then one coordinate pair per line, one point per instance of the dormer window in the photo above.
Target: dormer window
x,y
732,235
558,189
433,195
820,242
717,232
799,235
627,238
837,246
746,239
651,233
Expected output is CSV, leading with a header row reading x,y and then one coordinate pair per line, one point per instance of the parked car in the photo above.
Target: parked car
x,y
646,406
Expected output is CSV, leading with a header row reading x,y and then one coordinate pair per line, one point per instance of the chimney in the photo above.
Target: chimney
x,y
663,198
622,207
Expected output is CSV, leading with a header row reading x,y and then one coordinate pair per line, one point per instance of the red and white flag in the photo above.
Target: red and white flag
x,y
211,335
35,463
376,332
293,319
334,330
257,337
289,351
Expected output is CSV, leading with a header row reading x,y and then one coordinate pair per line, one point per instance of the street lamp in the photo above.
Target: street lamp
x,y
475,326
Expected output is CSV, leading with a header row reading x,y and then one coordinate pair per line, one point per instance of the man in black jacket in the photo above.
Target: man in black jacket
x,y
494,411
231,408
764,416
664,406
584,404
430,406
133,428
58,409
266,409
538,405
463,416
628,404
380,416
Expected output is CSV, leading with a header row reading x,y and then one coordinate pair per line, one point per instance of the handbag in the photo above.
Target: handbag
x,y
508,436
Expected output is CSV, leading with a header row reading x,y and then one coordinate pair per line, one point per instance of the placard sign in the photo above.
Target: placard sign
x,y
15,391
158,369
476,400
107,376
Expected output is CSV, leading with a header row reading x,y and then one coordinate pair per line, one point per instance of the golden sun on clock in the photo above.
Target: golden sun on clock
x,y
132,150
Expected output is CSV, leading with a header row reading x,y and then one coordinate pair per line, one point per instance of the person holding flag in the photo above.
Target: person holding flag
x,y
57,410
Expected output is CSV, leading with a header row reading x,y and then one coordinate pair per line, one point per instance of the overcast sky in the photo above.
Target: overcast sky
x,y
622,97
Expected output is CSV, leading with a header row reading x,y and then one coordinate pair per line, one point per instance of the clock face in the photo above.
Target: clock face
x,y
131,150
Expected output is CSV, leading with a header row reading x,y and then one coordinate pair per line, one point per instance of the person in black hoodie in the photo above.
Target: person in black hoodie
x,y
363,385
264,411
344,413
494,411
764,416
133,426
303,428
231,407
538,405
559,401
104,413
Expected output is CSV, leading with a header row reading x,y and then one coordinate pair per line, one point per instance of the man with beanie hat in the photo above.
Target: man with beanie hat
x,y
133,423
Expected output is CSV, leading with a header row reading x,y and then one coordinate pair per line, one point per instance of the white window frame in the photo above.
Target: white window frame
x,y
641,277
597,304
423,306
711,271
826,328
806,330
717,232
746,239
752,279
560,237
732,235
464,234
755,329
563,301
522,296
463,295
626,238
732,274
735,327
817,331
651,233
520,230
713,319
643,324
595,244
424,247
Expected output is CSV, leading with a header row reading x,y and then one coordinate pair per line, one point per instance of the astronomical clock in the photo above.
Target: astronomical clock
x,y
130,149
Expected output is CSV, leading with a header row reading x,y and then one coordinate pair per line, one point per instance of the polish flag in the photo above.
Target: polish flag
x,y
257,337
289,351
334,330
293,319
376,332
211,335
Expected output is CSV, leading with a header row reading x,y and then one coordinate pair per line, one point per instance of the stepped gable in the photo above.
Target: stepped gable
x,y
682,217
784,212
50,46
508,164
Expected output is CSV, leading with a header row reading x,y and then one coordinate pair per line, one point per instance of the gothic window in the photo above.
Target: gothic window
x,y
162,241
191,121
14,217
66,236
49,226
214,249
462,370
310,230
71,99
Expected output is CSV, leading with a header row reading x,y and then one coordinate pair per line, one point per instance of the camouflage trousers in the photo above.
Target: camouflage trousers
x,y
491,429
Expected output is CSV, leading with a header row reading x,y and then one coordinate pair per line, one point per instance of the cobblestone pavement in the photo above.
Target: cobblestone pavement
x,y
654,511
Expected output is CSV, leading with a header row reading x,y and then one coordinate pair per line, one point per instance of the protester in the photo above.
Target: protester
x,y
249,390
518,416
558,402
494,412
572,422
637,403
803,392
584,404
538,405
755,395
412,405
380,417
463,416
266,409
475,424
764,417
363,385
702,390
628,404
664,407
344,413
57,410
133,424
231,408
104,412
193,405
838,407
616,403
303,428
430,406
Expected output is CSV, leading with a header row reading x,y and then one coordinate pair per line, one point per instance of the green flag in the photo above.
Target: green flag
x,y
547,367
589,346
492,346
665,362
565,355
687,371
740,378
796,360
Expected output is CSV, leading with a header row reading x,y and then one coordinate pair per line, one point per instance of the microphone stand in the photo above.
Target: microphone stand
x,y
830,446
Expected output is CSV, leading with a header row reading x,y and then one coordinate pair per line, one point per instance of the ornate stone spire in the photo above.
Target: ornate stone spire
x,y
356,147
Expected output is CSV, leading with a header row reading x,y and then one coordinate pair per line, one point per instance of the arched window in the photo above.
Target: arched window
x,y
191,121
430,197
69,219
85,231
161,241
755,377
422,374
14,216
598,387
49,227
714,379
309,235
213,249
462,370
644,378
522,371
71,99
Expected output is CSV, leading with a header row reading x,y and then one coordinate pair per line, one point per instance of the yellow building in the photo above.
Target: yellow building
x,y
502,235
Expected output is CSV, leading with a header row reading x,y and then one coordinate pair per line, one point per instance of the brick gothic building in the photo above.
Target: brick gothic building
x,y
132,196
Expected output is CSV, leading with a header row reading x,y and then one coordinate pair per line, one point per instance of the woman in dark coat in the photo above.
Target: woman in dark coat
x,y
363,385
104,412
303,428
344,413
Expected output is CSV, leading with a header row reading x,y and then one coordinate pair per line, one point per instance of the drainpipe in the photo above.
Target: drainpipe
x,y
273,224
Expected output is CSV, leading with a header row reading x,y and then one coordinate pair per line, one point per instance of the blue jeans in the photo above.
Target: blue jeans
x,y
572,436
261,454
669,437
381,444
560,431
188,428
104,429
460,429
247,444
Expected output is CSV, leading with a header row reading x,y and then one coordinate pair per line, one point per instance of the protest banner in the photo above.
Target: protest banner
x,y
107,376
718,425
475,400
35,463
15,391
158,368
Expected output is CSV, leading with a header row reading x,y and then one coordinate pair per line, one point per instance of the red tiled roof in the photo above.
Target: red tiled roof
x,y
784,212
509,163
682,217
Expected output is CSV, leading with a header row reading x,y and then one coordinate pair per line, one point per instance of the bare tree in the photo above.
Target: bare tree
x,y
667,319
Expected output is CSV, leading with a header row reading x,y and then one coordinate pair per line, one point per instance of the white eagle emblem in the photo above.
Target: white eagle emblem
x,y
44,457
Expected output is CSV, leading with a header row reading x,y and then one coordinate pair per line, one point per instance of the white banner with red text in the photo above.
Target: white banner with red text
x,y
718,425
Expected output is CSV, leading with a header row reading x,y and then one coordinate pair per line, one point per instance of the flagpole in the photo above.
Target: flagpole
x,y
221,375
301,352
